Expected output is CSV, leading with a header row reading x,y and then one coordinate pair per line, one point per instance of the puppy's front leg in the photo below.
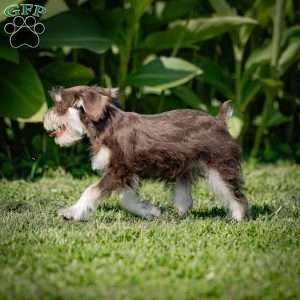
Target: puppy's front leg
x,y
86,204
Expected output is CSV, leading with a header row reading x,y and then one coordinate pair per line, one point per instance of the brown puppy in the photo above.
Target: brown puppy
x,y
176,146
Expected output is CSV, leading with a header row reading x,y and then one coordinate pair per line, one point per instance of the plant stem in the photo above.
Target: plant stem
x,y
263,123
180,37
238,95
277,30
101,69
132,31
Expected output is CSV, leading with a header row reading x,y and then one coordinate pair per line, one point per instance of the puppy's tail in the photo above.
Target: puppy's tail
x,y
225,112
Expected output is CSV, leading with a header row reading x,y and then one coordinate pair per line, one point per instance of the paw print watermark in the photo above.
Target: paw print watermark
x,y
24,32
24,29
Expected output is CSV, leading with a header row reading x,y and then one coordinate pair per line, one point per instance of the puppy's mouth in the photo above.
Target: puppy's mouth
x,y
59,131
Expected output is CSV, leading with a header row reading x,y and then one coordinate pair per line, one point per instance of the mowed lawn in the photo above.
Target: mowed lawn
x,y
118,256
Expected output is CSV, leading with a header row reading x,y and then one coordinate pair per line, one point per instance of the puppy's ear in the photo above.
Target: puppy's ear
x,y
113,93
55,94
93,103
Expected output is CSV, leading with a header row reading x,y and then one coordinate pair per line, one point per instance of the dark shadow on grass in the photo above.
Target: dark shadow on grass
x,y
255,211
17,206
209,213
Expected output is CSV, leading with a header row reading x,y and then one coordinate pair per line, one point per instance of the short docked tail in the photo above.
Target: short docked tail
x,y
225,112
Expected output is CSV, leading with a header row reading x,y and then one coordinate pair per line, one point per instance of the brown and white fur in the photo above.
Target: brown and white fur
x,y
176,146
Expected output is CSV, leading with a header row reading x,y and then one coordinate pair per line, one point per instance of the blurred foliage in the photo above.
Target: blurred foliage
x,y
164,55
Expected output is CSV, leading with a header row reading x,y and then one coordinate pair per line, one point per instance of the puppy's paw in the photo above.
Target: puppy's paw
x,y
155,212
183,211
73,212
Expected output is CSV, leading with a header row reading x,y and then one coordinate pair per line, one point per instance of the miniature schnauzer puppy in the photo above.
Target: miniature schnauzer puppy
x,y
176,146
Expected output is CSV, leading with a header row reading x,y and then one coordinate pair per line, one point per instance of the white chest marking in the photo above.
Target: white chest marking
x,y
101,159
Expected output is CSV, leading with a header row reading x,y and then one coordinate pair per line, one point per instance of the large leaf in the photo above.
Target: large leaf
x,y
7,52
214,75
188,96
67,73
6,3
194,30
22,94
54,8
163,73
177,9
76,30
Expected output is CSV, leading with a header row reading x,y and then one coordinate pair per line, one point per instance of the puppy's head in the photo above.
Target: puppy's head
x,y
64,120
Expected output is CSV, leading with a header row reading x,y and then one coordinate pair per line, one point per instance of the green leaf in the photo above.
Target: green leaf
x,y
262,10
8,53
138,7
194,30
76,30
214,75
258,57
235,126
291,32
6,3
249,89
37,116
271,83
276,118
188,96
54,8
167,39
177,9
290,55
163,73
206,28
22,94
222,7
67,73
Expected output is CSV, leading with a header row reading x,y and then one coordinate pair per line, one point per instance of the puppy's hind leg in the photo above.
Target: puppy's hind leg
x,y
182,199
231,196
130,202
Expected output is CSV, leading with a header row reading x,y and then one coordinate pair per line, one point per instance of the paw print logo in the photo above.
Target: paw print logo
x,y
24,32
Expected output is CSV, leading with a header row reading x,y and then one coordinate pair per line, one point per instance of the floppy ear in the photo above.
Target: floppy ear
x,y
93,103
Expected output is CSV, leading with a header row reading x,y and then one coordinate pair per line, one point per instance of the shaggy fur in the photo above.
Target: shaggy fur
x,y
175,146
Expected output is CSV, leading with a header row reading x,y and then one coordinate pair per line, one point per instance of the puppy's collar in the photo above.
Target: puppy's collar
x,y
109,112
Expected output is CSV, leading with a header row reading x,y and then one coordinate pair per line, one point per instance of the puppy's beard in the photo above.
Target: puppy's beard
x,y
74,129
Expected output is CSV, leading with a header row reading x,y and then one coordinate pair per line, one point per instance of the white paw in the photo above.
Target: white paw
x,y
155,212
238,215
183,210
74,212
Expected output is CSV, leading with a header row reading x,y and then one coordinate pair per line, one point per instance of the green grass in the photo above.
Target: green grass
x,y
118,256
